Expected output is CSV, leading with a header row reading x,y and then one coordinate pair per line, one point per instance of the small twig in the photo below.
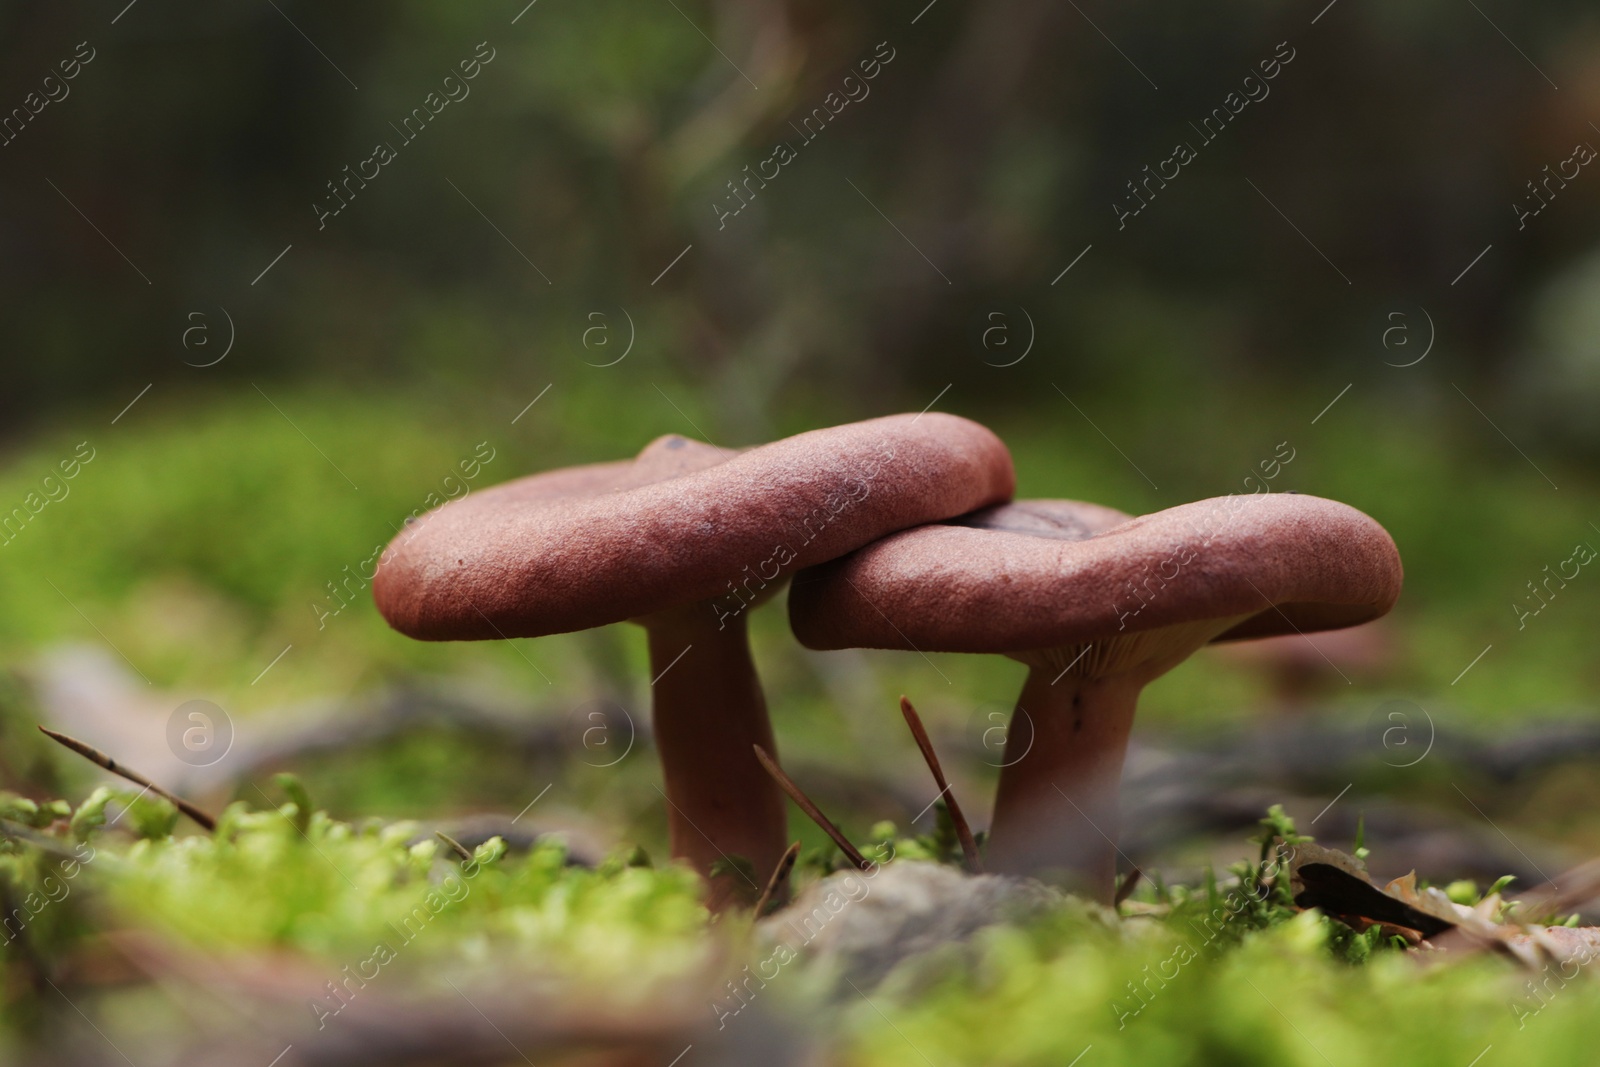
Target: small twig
x,y
455,846
787,785
969,844
1124,890
780,877
100,759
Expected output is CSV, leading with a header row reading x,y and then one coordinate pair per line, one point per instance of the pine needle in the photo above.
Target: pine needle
x,y
804,802
455,846
1129,881
779,879
100,759
969,844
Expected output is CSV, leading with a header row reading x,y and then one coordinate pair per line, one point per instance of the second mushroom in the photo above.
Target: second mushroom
x,y
1097,605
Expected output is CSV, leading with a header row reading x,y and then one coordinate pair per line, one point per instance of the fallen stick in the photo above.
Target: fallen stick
x,y
787,785
100,759
780,876
969,844
455,846
1129,881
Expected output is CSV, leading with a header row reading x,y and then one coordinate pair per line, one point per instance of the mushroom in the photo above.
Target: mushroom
x,y
684,540
1096,607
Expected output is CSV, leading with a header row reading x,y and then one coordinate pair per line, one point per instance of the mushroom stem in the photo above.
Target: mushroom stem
x,y
708,713
1055,811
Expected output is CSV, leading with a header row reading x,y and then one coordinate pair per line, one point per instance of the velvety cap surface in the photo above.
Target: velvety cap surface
x,y
682,523
1286,561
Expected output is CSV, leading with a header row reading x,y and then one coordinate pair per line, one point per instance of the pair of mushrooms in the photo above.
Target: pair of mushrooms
x,y
898,534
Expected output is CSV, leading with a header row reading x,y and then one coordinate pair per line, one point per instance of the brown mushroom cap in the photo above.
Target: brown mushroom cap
x,y
583,547
1255,565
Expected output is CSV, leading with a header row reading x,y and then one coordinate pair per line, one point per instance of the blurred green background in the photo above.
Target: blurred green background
x,y
574,205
